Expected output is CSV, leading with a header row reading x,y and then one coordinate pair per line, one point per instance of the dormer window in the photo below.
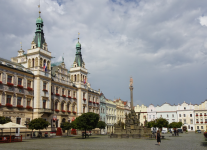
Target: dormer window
x,y
33,47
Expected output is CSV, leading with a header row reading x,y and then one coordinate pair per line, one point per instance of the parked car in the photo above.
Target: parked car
x,y
154,131
180,130
164,131
199,131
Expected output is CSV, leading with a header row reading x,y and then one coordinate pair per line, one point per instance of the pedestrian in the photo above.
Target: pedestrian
x,y
158,135
175,132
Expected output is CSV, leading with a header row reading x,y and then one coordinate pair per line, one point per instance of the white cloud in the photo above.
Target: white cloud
x,y
157,42
203,20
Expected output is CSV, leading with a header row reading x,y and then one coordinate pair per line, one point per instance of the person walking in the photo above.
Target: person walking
x,y
158,135
175,132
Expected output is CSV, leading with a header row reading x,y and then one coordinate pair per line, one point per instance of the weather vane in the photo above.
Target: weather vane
x,y
39,9
78,36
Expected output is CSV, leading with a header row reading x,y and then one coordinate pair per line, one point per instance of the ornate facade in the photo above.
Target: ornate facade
x,y
43,89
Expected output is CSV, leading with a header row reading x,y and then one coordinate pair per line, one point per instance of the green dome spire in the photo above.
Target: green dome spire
x,y
39,20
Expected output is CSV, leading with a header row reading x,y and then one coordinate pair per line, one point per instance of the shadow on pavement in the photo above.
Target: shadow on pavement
x,y
204,144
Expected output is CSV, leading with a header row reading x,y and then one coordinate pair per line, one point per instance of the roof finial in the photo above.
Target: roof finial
x,y
39,9
63,58
78,36
21,44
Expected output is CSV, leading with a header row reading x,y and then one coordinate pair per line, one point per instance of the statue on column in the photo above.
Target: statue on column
x,y
131,82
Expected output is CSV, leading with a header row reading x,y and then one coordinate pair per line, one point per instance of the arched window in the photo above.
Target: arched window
x,y
62,106
68,107
32,62
75,78
56,105
33,47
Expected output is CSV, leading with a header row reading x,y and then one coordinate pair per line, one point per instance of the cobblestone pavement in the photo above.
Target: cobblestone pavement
x,y
190,141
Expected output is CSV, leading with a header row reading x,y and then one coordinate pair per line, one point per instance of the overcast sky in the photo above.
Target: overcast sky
x,y
162,44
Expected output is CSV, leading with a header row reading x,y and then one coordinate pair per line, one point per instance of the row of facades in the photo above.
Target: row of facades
x,y
193,117
33,87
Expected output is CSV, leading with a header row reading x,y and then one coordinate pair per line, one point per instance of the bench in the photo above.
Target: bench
x,y
83,135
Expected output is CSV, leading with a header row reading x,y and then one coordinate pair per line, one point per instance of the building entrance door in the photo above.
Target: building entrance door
x,y
184,128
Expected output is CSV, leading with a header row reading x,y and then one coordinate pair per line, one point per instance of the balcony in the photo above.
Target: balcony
x,y
46,111
196,115
201,115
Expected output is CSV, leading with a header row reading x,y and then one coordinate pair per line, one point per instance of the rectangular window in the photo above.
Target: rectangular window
x,y
19,81
8,99
197,120
188,126
84,95
56,90
68,92
179,115
44,86
62,106
180,120
183,115
196,114
204,114
153,116
201,120
19,100
28,101
191,115
201,127
200,114
167,116
73,93
29,83
173,115
160,115
9,79
62,91
44,104
185,121
191,121
197,127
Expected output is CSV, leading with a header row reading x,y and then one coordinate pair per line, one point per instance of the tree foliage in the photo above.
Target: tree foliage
x,y
101,125
4,120
175,125
66,126
160,122
86,121
38,124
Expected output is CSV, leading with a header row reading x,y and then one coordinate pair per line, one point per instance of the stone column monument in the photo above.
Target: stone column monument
x,y
131,92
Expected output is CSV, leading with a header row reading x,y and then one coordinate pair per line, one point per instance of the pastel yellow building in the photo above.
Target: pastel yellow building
x,y
120,115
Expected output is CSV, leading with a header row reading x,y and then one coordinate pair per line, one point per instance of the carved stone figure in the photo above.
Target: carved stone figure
x,y
131,82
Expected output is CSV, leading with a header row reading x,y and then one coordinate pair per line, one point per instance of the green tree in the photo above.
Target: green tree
x,y
38,124
175,125
4,120
101,125
66,126
86,121
160,122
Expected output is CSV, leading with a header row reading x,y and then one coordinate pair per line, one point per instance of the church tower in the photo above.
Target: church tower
x,y
78,75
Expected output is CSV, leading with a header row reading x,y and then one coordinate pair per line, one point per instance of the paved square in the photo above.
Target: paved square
x,y
189,141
